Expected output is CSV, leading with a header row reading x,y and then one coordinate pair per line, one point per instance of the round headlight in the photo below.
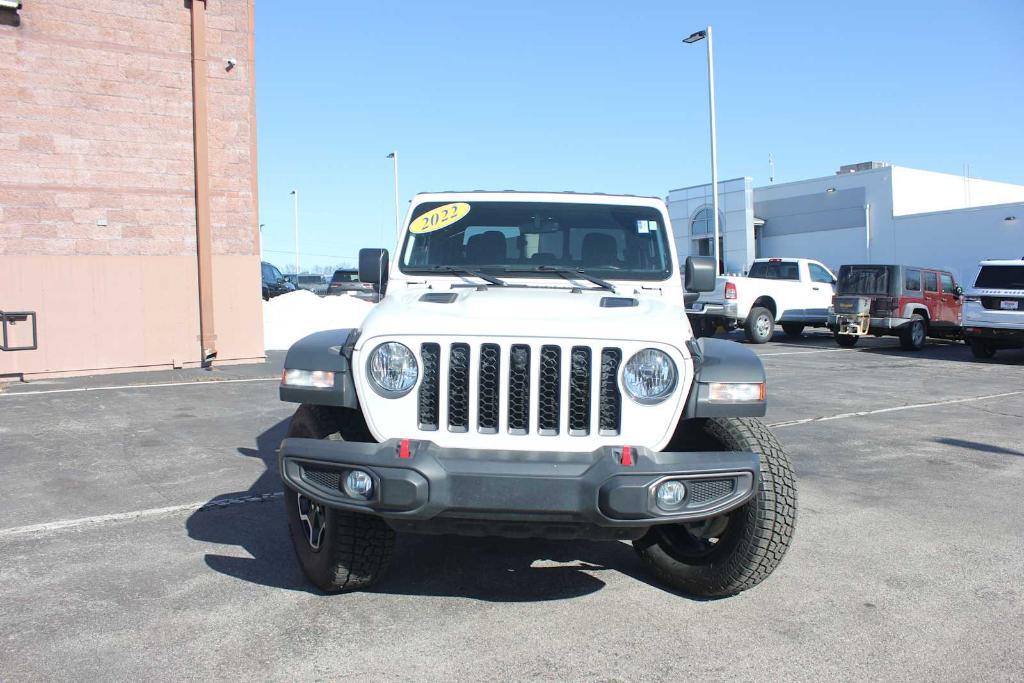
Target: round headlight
x,y
392,369
649,376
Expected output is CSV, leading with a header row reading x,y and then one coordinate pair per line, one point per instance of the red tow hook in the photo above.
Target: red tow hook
x,y
627,457
404,451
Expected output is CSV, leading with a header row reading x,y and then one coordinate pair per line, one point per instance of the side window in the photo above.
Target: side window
x,y
947,283
266,273
931,281
819,274
912,281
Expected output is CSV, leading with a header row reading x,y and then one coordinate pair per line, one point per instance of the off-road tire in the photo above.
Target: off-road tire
x,y
355,549
914,334
982,349
846,340
793,330
758,533
760,325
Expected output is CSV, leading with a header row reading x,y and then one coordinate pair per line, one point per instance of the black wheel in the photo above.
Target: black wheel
x,y
793,330
760,325
736,551
982,349
337,550
846,340
914,333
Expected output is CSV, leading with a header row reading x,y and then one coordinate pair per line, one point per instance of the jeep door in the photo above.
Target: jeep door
x,y
932,296
950,301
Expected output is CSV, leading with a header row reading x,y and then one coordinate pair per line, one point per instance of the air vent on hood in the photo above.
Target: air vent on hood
x,y
618,302
439,297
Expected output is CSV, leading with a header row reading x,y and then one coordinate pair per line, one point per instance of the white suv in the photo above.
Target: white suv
x,y
993,313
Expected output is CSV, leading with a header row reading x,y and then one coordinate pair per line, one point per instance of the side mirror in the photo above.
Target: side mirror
x,y
699,274
958,290
373,268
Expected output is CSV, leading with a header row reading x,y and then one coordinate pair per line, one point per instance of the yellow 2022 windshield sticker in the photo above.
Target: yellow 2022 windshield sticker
x,y
439,218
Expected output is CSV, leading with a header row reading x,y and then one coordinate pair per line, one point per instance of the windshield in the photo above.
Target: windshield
x,y
866,280
508,238
1000,277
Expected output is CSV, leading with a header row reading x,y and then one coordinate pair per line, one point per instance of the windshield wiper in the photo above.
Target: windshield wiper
x,y
567,273
490,279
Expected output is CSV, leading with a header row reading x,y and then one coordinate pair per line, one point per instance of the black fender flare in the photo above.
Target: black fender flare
x,y
329,350
721,360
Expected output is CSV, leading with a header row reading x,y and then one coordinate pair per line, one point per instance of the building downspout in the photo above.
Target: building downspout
x,y
201,143
867,231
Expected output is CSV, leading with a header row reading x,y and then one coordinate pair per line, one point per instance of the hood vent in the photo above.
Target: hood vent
x,y
439,297
618,302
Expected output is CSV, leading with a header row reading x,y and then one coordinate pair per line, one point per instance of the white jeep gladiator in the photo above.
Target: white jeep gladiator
x,y
794,292
530,371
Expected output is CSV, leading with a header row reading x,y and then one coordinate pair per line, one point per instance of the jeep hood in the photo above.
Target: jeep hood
x,y
526,312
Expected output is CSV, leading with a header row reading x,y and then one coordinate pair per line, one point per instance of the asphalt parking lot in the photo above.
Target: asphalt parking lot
x,y
142,536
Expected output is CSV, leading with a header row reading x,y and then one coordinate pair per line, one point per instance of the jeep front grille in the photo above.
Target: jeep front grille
x,y
519,390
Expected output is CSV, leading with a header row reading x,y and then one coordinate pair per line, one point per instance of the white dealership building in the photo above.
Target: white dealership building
x,y
872,212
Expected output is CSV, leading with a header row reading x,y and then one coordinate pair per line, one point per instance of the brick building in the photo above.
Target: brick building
x,y
128,218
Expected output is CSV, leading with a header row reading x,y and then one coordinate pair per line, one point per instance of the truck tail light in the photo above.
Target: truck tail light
x,y
730,290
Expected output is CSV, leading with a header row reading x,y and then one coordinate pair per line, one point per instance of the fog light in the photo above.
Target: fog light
x,y
359,484
670,494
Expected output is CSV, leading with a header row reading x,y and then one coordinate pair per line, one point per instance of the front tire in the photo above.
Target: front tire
x,y
982,349
738,550
760,325
336,549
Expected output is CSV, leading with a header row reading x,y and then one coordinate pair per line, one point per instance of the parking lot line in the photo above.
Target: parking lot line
x,y
140,386
61,525
862,413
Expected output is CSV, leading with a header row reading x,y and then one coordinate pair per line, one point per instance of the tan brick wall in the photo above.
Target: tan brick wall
x,y
96,143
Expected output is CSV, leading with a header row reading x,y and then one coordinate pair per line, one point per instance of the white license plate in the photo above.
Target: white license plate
x,y
1008,305
696,308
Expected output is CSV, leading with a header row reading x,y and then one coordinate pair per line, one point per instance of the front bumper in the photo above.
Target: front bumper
x,y
448,489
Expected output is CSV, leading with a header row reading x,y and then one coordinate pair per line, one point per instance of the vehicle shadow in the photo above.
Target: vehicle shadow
x,y
978,446
487,569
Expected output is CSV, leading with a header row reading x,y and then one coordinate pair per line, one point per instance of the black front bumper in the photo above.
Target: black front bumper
x,y
486,491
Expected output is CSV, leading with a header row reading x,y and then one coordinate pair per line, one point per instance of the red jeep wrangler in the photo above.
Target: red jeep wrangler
x,y
904,301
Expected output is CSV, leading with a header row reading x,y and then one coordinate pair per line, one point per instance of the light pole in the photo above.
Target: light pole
x,y
295,194
694,38
398,217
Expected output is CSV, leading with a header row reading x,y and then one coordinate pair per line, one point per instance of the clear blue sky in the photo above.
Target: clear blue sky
x,y
602,96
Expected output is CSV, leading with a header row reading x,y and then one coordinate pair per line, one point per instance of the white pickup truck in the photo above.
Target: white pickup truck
x,y
794,292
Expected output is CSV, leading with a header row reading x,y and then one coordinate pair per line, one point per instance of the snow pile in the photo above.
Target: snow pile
x,y
290,317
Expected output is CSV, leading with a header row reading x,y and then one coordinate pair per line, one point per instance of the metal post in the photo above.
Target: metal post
x,y
298,268
398,213
714,148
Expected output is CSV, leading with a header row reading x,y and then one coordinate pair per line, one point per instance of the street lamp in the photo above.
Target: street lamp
x,y
295,194
696,38
398,218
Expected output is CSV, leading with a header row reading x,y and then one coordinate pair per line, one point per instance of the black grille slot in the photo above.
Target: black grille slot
x,y
458,388
328,479
519,390
579,391
610,410
428,398
489,388
549,390
703,491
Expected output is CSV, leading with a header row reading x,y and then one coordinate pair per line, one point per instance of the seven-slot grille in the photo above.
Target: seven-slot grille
x,y
530,379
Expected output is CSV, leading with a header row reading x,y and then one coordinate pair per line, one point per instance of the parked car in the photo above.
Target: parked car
x,y
497,393
794,292
314,283
274,283
994,308
908,302
347,280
